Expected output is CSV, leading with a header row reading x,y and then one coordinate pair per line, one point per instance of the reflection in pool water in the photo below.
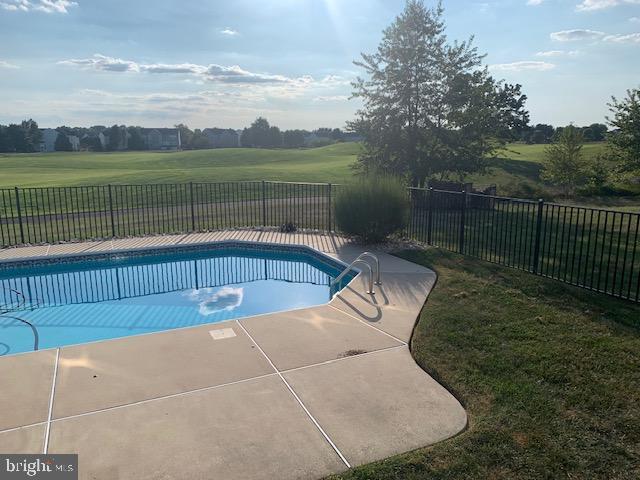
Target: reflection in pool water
x,y
211,301
81,301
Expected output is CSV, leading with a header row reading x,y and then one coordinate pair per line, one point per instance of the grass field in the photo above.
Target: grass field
x,y
516,172
547,373
520,163
325,164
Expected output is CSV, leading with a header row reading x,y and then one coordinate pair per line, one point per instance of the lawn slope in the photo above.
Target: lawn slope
x,y
324,164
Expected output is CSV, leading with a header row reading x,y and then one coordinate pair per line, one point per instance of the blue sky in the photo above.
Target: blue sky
x,y
222,63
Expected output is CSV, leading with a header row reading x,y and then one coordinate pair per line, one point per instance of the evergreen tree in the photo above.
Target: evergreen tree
x,y
429,108
624,142
565,165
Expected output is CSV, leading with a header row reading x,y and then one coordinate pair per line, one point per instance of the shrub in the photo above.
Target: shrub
x,y
525,190
372,209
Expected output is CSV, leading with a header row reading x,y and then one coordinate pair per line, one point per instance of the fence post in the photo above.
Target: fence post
x,y
463,209
264,204
430,216
19,215
193,211
113,223
329,219
536,245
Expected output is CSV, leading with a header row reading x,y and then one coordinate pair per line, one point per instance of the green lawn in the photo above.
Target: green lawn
x,y
548,374
521,163
516,172
325,164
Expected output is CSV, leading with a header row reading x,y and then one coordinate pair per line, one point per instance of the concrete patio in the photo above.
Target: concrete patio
x,y
298,394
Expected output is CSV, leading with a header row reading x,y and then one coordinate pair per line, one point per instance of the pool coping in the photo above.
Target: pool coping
x,y
398,312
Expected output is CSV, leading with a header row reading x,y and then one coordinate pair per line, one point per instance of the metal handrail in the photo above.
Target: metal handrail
x,y
359,259
371,255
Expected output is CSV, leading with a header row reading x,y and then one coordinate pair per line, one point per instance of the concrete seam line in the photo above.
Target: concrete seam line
x,y
334,360
13,429
295,395
154,399
369,325
53,391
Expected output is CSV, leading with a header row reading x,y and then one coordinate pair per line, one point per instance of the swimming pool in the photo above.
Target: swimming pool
x,y
64,301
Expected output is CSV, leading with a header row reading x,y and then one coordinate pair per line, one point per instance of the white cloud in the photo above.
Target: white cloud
x,y
635,19
102,62
522,66
534,2
229,32
592,5
619,38
47,6
331,98
233,75
189,68
576,35
557,53
4,64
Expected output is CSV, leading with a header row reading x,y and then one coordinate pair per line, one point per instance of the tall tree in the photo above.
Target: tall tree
x,y
62,143
115,138
624,141
595,132
428,106
5,145
293,138
186,135
275,137
136,139
32,135
261,134
564,163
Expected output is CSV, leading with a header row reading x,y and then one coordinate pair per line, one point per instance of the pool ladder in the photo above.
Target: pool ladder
x,y
360,259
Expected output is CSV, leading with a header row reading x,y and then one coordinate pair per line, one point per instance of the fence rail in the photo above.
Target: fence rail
x,y
592,248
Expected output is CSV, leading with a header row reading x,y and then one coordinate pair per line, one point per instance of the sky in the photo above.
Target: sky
x,y
223,63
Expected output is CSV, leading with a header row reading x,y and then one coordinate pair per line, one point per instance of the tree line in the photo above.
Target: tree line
x,y
544,133
26,137
21,137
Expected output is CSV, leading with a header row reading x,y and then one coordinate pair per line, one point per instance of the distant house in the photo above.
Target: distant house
x,y
162,138
75,142
48,139
222,138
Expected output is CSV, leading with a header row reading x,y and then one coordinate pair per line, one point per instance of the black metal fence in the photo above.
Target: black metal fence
x,y
54,214
593,248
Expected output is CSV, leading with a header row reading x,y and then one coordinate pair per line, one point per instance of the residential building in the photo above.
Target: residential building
x,y
222,138
162,138
48,139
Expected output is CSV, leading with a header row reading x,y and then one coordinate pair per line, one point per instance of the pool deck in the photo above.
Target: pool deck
x,y
297,394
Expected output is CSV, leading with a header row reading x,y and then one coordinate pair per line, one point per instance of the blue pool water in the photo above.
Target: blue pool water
x,y
86,299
